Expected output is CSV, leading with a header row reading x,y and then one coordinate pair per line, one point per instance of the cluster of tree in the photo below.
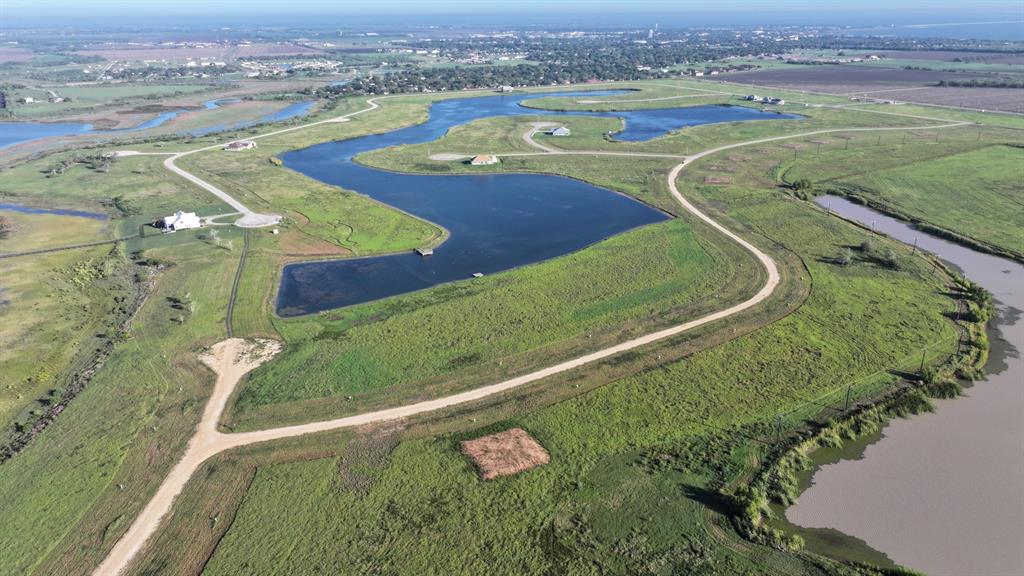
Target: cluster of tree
x,y
97,162
159,73
983,83
461,78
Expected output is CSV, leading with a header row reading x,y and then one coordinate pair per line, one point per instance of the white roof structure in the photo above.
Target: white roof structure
x,y
182,221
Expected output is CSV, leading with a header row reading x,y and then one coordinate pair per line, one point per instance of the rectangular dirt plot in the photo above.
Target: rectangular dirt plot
x,y
505,453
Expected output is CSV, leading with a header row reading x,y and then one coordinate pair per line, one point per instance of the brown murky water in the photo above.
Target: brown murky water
x,y
942,492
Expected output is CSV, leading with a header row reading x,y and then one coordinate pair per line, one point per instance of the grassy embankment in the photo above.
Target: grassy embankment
x,y
634,462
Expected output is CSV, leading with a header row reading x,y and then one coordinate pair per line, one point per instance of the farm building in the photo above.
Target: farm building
x,y
561,131
27,100
506,88
483,160
240,145
182,221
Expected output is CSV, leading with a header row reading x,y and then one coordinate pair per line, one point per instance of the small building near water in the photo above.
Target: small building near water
x,y
240,145
561,131
484,160
181,221
425,251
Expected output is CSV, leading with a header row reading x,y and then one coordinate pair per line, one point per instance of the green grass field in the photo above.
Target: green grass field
x,y
978,193
52,304
80,482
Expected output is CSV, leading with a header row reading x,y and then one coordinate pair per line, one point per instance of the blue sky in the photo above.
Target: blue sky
x,y
511,12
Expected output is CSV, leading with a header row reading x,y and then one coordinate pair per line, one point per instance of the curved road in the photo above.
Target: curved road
x,y
233,358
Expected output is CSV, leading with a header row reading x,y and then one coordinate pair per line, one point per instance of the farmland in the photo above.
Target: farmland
x,y
917,85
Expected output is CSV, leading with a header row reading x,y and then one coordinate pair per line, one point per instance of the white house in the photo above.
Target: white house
x,y
240,145
27,100
505,88
561,131
483,160
182,221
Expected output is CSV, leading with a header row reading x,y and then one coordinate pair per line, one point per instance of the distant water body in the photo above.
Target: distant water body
x,y
12,133
496,221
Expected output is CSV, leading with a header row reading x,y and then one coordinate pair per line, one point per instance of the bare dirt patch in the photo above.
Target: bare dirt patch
x,y
15,55
505,453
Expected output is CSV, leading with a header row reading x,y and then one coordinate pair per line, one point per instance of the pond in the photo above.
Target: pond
x,y
496,221
56,211
939,492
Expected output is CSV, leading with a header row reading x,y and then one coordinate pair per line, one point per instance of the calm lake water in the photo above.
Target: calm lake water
x,y
17,132
941,492
497,221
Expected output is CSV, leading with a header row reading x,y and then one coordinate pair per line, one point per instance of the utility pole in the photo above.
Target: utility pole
x,y
923,352
778,429
849,390
914,249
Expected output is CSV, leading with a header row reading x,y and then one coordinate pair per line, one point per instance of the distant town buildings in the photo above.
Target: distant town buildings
x,y
240,145
181,221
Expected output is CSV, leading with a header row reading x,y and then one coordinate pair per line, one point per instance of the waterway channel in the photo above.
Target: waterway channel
x,y
941,492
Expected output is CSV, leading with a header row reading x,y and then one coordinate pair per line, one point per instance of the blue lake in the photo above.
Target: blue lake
x,y
496,221
17,132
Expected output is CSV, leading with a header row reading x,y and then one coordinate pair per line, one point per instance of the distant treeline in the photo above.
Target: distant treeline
x,y
982,83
